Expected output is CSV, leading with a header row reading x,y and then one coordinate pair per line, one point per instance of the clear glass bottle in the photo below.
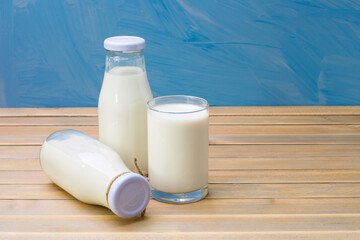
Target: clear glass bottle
x,y
123,100
93,173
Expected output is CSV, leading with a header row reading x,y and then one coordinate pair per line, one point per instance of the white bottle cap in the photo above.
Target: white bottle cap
x,y
129,195
124,43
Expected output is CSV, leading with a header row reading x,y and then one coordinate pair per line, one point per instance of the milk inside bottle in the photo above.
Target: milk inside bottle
x,y
93,173
122,101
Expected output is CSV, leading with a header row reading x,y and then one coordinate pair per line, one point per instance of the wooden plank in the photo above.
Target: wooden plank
x,y
24,177
246,205
246,111
236,130
220,176
214,120
283,176
243,191
48,112
319,235
230,163
229,151
32,192
48,121
20,164
224,134
284,120
283,151
19,152
177,223
283,139
286,110
277,163
215,130
270,190
208,207
34,140
35,135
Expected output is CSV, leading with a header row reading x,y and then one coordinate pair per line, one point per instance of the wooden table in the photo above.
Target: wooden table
x,y
274,173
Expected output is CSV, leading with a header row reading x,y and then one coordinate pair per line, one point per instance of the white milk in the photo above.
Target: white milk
x,y
122,114
178,148
85,172
93,173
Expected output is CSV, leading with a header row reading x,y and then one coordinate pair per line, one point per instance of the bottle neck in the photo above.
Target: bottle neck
x,y
125,59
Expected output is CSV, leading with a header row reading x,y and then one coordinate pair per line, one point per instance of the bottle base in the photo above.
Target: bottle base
x,y
180,197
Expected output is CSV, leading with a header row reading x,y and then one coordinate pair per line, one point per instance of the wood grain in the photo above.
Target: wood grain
x,y
217,191
32,192
214,120
220,176
236,111
49,121
181,223
207,207
20,164
275,173
251,139
285,190
318,162
286,110
19,152
229,151
283,176
279,235
219,134
235,130
23,177
283,151
330,162
285,120
48,112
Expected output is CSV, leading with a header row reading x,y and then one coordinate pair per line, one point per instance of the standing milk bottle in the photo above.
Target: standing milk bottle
x,y
123,98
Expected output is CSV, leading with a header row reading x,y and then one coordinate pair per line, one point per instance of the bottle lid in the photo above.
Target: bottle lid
x,y
129,195
124,43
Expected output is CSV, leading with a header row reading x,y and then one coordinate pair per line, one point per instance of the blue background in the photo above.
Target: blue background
x,y
249,52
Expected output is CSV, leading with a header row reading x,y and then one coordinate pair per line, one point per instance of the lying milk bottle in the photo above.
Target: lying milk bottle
x,y
123,98
93,173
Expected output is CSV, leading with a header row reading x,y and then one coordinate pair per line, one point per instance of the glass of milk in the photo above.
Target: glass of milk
x,y
178,148
122,101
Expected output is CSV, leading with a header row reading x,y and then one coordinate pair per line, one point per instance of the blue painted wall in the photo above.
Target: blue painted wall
x,y
233,52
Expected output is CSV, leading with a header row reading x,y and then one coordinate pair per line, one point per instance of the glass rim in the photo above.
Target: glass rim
x,y
152,108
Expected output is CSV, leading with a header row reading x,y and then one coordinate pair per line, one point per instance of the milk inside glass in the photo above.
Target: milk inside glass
x,y
178,147
122,101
